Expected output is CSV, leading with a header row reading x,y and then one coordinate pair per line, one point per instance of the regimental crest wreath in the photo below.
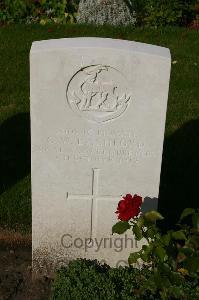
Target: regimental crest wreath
x,y
98,93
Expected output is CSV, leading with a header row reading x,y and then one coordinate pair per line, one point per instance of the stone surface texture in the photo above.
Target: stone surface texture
x,y
98,109
100,12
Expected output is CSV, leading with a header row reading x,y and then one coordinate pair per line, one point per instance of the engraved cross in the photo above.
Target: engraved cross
x,y
93,196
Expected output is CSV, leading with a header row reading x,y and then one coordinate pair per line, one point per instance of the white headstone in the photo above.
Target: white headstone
x,y
98,109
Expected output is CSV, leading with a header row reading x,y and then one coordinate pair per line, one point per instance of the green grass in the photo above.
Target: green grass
x,y
180,169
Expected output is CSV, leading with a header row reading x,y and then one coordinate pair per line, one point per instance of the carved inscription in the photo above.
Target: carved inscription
x,y
99,93
95,146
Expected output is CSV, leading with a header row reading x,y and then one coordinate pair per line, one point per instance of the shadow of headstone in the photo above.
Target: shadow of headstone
x,y
180,166
180,173
14,150
149,204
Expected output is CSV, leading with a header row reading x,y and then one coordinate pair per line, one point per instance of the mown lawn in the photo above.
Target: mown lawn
x,y
180,169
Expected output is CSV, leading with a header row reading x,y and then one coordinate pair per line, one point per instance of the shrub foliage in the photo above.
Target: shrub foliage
x,y
37,11
172,256
84,279
165,12
170,265
143,12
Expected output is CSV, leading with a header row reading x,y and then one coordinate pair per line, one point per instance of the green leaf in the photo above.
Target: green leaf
x,y
161,253
195,221
153,216
176,291
158,280
133,257
145,247
138,233
192,263
146,252
150,233
186,212
193,242
120,227
165,268
140,222
166,239
178,235
145,257
186,251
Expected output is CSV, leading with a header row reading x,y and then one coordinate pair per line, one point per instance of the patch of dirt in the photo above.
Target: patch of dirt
x,y
16,282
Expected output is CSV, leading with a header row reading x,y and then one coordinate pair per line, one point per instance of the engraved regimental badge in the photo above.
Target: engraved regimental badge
x,y
98,93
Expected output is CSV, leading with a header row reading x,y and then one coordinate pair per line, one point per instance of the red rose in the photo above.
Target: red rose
x,y
129,207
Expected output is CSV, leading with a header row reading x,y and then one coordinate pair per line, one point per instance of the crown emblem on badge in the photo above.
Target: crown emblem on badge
x,y
95,93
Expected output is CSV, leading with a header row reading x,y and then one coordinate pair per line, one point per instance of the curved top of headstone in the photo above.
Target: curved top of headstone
x,y
92,42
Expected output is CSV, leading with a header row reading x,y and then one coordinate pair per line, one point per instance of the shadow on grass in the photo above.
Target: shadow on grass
x,y
14,150
179,185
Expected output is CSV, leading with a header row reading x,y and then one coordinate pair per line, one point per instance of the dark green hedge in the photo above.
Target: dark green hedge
x,y
148,12
38,11
165,12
